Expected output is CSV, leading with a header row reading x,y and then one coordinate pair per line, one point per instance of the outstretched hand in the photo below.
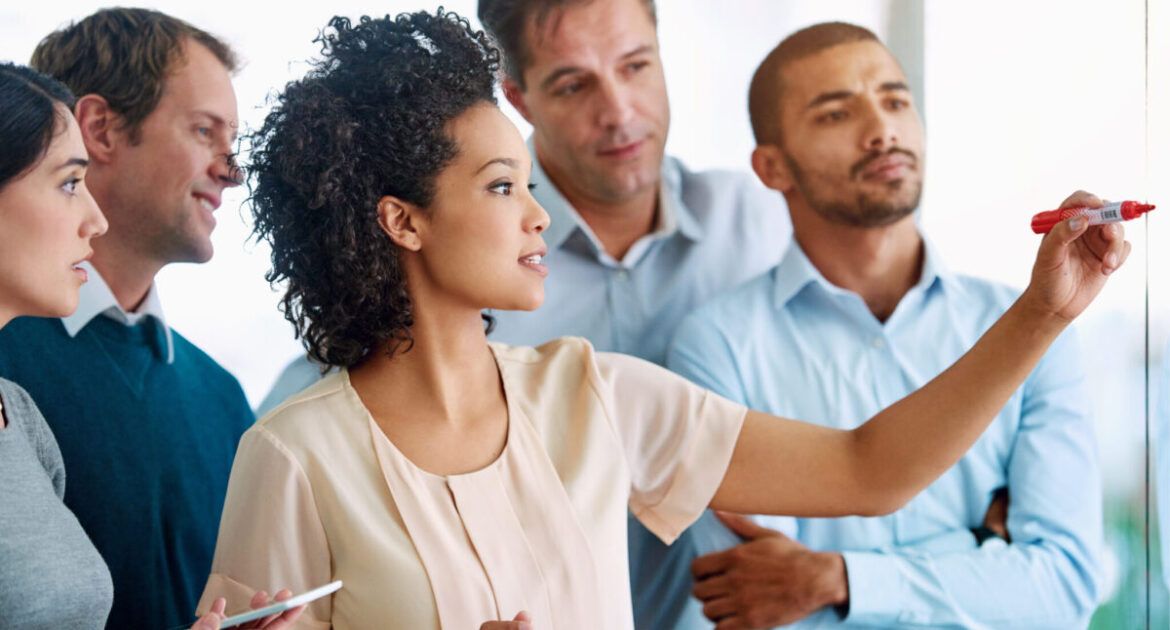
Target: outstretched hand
x,y
1075,260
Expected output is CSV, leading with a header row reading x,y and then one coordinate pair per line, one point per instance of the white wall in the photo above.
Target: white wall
x,y
1027,102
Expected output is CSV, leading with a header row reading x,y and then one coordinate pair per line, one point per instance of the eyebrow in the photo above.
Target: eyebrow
x,y
839,95
566,70
509,162
82,162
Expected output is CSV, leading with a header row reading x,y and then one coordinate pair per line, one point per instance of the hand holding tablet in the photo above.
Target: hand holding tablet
x,y
262,611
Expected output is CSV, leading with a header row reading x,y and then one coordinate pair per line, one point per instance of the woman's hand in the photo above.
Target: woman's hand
x,y
1074,261
521,622
216,615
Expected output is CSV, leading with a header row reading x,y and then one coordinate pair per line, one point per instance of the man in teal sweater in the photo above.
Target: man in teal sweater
x,y
147,423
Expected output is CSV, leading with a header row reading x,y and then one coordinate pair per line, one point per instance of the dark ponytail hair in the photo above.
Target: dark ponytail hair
x,y
29,118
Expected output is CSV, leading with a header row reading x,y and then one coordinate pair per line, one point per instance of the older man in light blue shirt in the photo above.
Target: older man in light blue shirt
x,y
861,312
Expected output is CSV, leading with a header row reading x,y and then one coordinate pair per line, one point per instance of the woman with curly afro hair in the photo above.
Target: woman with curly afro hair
x,y
453,482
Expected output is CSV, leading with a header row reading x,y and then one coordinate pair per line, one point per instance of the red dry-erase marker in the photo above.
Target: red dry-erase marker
x,y
1043,222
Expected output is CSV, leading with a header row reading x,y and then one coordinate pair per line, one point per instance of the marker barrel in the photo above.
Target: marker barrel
x,y
1043,222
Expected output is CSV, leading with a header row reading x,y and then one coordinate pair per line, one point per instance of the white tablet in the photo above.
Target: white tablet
x,y
279,607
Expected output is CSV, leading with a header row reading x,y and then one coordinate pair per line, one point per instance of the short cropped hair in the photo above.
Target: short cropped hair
x,y
507,20
767,83
124,56
35,109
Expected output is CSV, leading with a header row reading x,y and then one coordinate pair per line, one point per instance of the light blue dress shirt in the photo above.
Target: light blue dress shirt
x,y
792,344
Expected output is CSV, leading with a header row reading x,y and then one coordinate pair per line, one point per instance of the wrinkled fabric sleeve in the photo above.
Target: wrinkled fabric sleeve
x,y
270,535
677,439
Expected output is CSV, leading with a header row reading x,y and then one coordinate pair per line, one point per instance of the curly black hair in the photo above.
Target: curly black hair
x,y
368,120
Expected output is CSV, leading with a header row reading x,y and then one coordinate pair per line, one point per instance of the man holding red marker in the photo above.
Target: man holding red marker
x,y
859,313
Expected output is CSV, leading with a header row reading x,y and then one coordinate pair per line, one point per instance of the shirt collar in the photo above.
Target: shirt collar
x,y
796,271
564,219
96,298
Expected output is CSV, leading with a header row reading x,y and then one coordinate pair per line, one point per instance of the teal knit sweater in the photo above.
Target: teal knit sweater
x,y
147,447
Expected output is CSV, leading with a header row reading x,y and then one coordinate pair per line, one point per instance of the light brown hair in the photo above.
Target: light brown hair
x,y
124,56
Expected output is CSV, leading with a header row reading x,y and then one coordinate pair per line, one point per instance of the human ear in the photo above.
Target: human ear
x,y
770,166
99,126
398,218
515,96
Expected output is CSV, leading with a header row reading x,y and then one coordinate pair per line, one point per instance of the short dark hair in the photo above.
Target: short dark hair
x,y
767,83
124,56
34,108
369,120
507,20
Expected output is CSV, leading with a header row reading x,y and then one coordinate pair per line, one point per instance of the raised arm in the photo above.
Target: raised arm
x,y
782,466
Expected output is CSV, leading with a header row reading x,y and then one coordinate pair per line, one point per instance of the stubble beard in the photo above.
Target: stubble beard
x,y
863,211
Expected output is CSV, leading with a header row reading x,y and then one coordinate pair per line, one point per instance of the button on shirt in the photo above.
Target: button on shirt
x,y
792,344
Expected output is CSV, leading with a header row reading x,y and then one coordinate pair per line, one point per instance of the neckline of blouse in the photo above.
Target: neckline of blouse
x,y
379,434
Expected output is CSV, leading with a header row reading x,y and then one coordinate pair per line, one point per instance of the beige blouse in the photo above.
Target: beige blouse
x,y
318,493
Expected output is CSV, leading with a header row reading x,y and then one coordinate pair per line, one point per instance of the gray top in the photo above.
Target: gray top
x,y
51,576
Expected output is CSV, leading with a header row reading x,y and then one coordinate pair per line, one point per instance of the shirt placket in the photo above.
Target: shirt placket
x,y
624,309
888,388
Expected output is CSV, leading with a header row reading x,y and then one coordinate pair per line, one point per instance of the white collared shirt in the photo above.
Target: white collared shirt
x,y
96,298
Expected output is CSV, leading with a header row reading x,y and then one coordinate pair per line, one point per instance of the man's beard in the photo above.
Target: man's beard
x,y
863,211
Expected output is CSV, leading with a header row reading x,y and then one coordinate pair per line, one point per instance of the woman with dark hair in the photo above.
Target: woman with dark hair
x,y
50,573
450,481
51,576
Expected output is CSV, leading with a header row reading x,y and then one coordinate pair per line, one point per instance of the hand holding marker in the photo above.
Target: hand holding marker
x,y
1043,222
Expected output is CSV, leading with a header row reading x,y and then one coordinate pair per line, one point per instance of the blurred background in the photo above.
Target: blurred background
x,y
1023,102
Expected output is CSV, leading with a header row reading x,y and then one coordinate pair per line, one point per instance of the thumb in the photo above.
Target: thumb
x,y
210,621
1070,230
743,526
1054,247
524,619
